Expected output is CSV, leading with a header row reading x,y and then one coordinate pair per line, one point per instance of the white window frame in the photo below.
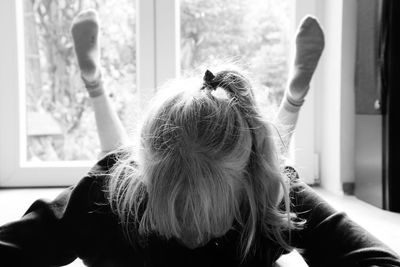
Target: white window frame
x,y
157,62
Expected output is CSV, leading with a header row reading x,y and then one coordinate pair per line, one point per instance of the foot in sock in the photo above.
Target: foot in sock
x,y
85,33
309,47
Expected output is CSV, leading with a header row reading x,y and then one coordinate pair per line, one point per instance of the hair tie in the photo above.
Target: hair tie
x,y
208,81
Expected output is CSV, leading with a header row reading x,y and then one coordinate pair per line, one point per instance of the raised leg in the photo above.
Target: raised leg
x,y
85,34
309,46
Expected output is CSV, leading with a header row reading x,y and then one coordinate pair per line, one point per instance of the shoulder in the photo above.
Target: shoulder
x,y
110,160
97,180
303,198
305,202
92,187
105,163
291,173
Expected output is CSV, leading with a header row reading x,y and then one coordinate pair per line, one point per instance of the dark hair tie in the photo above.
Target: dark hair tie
x,y
209,81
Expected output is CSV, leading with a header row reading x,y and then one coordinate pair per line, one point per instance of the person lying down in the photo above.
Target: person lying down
x,y
205,186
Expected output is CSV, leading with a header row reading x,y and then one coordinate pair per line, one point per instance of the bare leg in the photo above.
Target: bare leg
x,y
85,33
309,47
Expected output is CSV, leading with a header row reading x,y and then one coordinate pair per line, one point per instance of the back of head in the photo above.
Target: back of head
x,y
205,154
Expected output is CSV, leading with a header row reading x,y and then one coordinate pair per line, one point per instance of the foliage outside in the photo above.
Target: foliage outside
x,y
254,33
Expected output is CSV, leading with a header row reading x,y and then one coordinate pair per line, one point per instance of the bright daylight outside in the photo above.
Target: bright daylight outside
x,y
60,122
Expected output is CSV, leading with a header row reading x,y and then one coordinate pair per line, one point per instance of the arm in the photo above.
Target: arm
x,y
55,233
330,238
40,238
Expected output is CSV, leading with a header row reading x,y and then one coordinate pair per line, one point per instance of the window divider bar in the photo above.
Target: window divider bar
x,y
146,50
9,91
167,33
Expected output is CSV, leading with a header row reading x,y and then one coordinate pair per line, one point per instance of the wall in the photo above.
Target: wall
x,y
368,145
335,116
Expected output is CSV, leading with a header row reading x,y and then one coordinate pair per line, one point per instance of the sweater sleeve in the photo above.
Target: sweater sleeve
x,y
42,236
46,234
331,238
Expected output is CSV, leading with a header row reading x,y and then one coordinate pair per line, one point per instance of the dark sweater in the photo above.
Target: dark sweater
x,y
79,223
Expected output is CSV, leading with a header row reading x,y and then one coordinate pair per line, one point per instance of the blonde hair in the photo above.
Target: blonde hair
x,y
206,159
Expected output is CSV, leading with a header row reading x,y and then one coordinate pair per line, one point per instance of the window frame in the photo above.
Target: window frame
x,y
156,62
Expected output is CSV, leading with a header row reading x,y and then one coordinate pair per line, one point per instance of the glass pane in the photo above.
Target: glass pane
x,y
60,121
254,33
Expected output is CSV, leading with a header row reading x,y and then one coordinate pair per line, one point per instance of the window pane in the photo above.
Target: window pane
x,y
254,33
60,121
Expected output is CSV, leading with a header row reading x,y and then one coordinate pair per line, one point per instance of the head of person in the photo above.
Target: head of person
x,y
206,159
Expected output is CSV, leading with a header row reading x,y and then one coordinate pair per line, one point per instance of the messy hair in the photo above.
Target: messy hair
x,y
206,159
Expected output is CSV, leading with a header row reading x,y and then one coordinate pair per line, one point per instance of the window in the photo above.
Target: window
x,y
145,43
60,123
254,33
